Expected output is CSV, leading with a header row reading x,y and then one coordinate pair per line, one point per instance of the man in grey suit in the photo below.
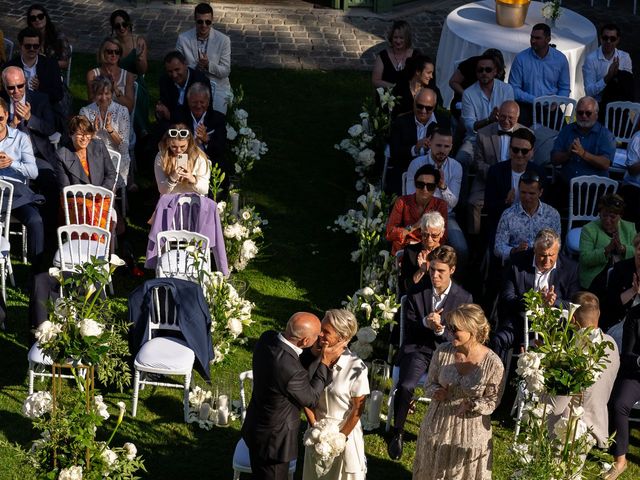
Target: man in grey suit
x,y
208,51
595,397
492,146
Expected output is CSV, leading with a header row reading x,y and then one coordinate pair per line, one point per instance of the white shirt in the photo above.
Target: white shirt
x,y
452,170
436,304
477,106
295,348
421,131
29,72
182,90
541,280
505,143
515,181
595,68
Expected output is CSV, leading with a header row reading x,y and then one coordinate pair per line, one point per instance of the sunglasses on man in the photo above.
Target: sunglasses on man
x,y
204,22
428,108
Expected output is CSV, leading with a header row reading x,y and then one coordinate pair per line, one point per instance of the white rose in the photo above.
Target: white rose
x,y
367,291
90,328
366,335
37,404
246,215
367,157
249,249
71,473
110,457
231,133
130,450
355,130
234,325
221,206
47,331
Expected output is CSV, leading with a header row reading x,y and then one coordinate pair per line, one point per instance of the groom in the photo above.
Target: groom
x,y
281,387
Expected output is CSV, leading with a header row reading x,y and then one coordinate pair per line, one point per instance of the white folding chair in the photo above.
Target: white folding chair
x,y
76,197
40,366
241,462
8,48
6,201
395,374
521,392
163,355
116,159
584,193
621,118
77,244
176,254
546,115
182,218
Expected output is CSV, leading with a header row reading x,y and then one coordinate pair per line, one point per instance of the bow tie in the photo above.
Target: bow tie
x,y
504,132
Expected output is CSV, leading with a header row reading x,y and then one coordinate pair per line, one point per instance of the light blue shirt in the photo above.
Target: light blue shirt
x,y
452,170
595,68
476,106
633,157
532,76
517,226
17,145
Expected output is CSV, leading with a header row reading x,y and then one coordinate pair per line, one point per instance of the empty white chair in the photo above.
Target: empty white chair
x,y
621,118
177,251
551,111
163,355
241,462
6,201
77,244
584,193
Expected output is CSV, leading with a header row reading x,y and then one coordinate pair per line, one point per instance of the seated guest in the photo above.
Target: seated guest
x,y
503,178
630,189
180,166
623,287
595,398
424,330
174,84
541,268
584,147
109,55
607,71
492,146
440,143
208,51
520,223
420,70
110,122
54,42
18,165
404,220
409,137
390,64
415,260
604,242
625,394
480,104
538,71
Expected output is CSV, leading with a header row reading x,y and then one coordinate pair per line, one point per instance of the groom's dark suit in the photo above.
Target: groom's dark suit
x,y
281,387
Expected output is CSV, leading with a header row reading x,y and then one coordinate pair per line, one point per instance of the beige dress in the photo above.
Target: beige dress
x,y
452,447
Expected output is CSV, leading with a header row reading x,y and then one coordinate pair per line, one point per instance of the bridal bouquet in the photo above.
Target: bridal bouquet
x,y
327,443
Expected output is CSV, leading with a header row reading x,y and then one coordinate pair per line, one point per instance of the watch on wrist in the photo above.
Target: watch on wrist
x,y
443,188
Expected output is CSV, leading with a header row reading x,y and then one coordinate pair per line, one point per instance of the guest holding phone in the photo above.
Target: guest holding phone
x,y
180,166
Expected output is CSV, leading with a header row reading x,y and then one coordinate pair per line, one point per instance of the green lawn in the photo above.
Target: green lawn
x,y
300,186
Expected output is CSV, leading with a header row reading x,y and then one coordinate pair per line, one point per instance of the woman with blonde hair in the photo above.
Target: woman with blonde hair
x,y
180,166
465,382
109,55
343,401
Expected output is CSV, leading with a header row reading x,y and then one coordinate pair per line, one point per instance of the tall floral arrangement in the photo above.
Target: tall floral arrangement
x,y
243,234
566,361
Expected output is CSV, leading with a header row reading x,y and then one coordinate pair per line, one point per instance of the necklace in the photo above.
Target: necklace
x,y
399,65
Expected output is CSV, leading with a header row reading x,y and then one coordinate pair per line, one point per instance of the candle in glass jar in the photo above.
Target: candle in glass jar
x,y
223,401
375,406
223,416
235,202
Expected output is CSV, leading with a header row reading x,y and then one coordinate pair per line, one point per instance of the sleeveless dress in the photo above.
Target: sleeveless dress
x,y
349,380
141,117
452,447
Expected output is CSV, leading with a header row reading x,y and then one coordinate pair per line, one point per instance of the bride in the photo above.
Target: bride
x,y
343,400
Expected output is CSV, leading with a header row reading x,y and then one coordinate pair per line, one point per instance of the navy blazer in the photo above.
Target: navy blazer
x,y
281,387
212,121
520,278
417,337
192,312
49,76
101,168
170,94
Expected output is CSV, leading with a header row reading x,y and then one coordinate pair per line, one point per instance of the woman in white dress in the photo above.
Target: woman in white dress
x,y
343,400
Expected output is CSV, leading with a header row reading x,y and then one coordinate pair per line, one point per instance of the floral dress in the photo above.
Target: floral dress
x,y
449,446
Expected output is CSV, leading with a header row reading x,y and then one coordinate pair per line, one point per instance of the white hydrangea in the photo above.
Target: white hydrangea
x,y
37,404
231,133
71,473
366,335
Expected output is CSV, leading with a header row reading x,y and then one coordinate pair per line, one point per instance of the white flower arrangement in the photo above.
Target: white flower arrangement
x,y
551,10
204,411
71,473
242,232
37,404
373,311
327,442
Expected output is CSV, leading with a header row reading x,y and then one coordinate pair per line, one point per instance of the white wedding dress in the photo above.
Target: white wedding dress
x,y
349,380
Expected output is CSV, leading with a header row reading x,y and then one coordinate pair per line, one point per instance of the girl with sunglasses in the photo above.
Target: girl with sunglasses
x,y
175,173
109,55
54,42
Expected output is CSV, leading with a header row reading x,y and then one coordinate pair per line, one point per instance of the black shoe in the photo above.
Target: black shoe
x,y
394,449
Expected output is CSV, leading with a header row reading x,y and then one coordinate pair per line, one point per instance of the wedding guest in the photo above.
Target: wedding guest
x,y
109,55
390,62
538,71
607,71
424,329
625,394
209,51
404,220
175,173
630,189
440,144
134,60
595,398
54,42
465,383
281,387
343,401
414,267
604,242
419,69
623,288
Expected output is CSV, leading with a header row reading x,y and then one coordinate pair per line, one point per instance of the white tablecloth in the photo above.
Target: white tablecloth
x,y
470,29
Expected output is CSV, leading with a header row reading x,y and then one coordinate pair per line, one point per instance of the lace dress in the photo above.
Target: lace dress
x,y
452,447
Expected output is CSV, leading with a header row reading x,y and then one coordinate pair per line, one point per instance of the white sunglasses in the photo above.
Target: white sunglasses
x,y
182,133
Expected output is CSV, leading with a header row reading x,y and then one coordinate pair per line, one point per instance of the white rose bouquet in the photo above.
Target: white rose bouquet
x,y
242,234
551,10
327,443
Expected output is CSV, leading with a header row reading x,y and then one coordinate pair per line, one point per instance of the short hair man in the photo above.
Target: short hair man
x,y
607,71
209,51
541,268
595,398
520,223
424,330
440,143
492,146
537,71
207,125
584,147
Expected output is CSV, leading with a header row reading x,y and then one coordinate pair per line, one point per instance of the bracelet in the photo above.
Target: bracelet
x,y
110,132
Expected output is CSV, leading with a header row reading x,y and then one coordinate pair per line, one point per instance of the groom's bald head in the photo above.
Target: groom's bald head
x,y
302,329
